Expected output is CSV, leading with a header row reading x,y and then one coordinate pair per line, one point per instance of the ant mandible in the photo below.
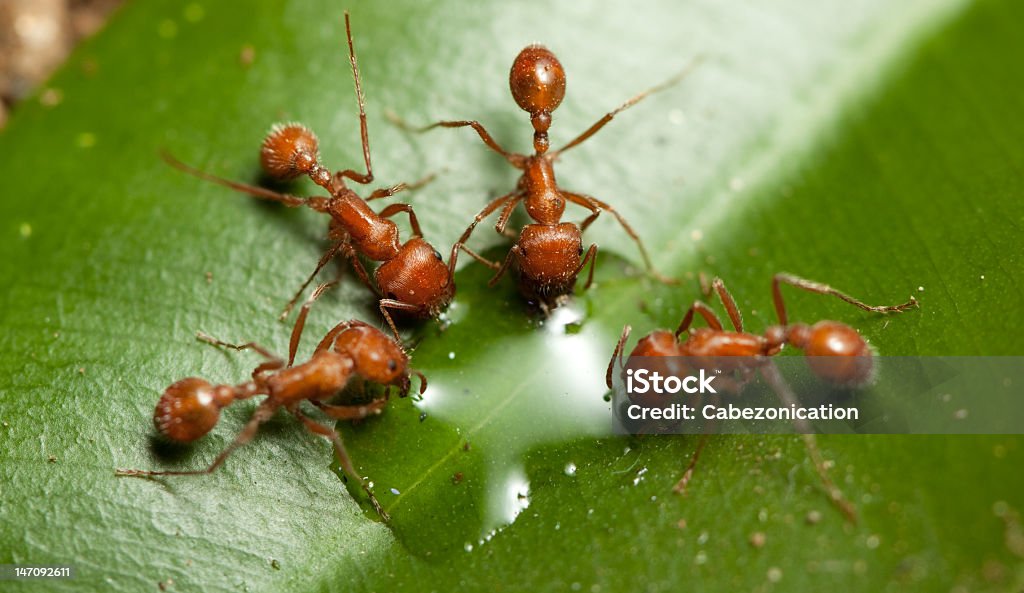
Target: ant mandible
x,y
190,408
412,277
836,353
548,253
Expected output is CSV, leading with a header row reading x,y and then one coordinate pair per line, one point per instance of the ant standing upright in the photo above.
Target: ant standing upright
x,y
190,408
412,277
836,353
548,254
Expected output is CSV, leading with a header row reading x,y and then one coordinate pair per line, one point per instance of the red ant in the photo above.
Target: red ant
x,y
412,277
548,253
835,351
190,408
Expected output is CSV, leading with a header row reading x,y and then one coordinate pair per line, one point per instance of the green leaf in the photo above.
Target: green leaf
x,y
871,145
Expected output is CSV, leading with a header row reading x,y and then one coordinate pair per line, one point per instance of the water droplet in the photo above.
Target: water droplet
x,y
701,557
451,356
395,491
570,469
468,547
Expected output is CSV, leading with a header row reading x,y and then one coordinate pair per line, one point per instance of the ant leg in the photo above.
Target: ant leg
x,y
771,374
324,260
300,321
360,270
516,160
331,335
490,264
590,219
272,361
387,192
316,203
454,258
818,288
718,285
514,252
506,213
705,311
590,256
386,304
343,458
359,412
394,209
680,487
204,337
617,352
261,415
361,99
487,211
593,204
629,103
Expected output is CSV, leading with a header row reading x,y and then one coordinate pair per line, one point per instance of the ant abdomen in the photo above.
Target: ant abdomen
x,y
537,80
187,410
289,150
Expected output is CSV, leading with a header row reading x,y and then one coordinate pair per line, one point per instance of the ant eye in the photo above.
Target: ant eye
x,y
437,254
392,365
580,252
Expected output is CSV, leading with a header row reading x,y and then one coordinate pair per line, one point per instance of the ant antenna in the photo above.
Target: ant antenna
x,y
629,103
361,99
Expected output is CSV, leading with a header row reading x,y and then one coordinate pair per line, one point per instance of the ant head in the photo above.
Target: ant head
x,y
537,81
376,356
291,150
189,409
836,352
419,277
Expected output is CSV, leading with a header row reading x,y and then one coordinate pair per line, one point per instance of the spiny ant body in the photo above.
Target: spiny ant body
x,y
548,254
190,408
835,352
412,278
